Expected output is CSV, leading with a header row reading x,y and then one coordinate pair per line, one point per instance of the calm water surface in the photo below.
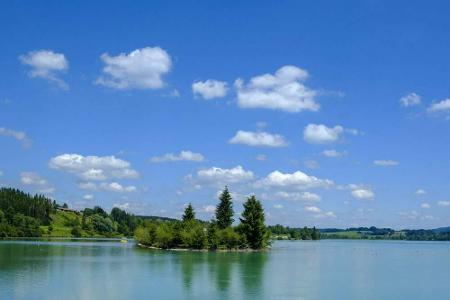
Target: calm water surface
x,y
327,269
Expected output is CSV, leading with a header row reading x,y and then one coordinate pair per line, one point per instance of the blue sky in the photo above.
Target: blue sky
x,y
333,114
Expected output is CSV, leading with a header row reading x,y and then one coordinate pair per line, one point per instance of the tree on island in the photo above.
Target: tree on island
x,y
252,224
224,210
189,213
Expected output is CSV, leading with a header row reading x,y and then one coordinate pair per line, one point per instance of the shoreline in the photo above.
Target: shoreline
x,y
247,250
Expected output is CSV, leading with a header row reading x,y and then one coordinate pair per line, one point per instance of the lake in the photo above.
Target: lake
x,y
327,269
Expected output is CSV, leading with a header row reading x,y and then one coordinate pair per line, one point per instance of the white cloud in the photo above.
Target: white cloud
x,y
210,89
283,91
321,134
441,106
278,206
363,194
93,167
32,178
329,214
46,64
296,180
209,209
425,205
90,186
182,156
421,192
333,153
223,176
88,197
386,163
123,206
444,203
17,135
311,164
117,187
261,157
313,209
410,100
296,196
258,139
140,69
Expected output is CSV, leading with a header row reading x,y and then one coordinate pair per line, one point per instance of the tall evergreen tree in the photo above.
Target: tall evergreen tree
x,y
189,213
252,223
224,210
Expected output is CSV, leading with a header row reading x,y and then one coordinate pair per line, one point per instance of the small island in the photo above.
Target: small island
x,y
218,234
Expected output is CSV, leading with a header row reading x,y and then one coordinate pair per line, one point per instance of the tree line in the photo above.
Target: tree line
x,y
25,215
219,233
281,232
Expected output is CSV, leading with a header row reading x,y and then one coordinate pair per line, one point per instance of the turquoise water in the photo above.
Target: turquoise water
x,y
329,269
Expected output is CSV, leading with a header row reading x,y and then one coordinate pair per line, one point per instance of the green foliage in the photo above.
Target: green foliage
x,y
127,223
189,213
281,232
194,237
230,239
76,231
164,236
13,201
102,224
212,236
224,210
252,224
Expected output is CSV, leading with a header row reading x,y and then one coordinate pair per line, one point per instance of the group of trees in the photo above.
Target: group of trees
x,y
281,232
21,214
216,234
24,215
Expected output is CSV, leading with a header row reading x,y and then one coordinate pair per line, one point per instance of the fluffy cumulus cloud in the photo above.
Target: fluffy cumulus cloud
x,y
444,203
17,135
88,197
333,153
260,138
182,156
46,64
386,163
224,176
313,209
296,180
321,134
93,167
34,179
411,99
421,192
139,69
210,209
440,107
210,89
363,193
117,187
297,196
425,205
284,90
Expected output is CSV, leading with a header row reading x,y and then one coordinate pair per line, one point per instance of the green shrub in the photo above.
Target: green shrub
x,y
164,236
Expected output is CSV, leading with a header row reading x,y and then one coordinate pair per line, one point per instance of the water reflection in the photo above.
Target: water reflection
x,y
223,272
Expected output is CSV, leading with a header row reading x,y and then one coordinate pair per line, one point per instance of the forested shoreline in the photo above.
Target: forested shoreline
x,y
25,215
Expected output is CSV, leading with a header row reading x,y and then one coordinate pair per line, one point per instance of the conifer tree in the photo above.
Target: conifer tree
x,y
224,210
189,213
252,223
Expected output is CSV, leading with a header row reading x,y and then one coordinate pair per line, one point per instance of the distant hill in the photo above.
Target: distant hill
x,y
157,218
442,229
